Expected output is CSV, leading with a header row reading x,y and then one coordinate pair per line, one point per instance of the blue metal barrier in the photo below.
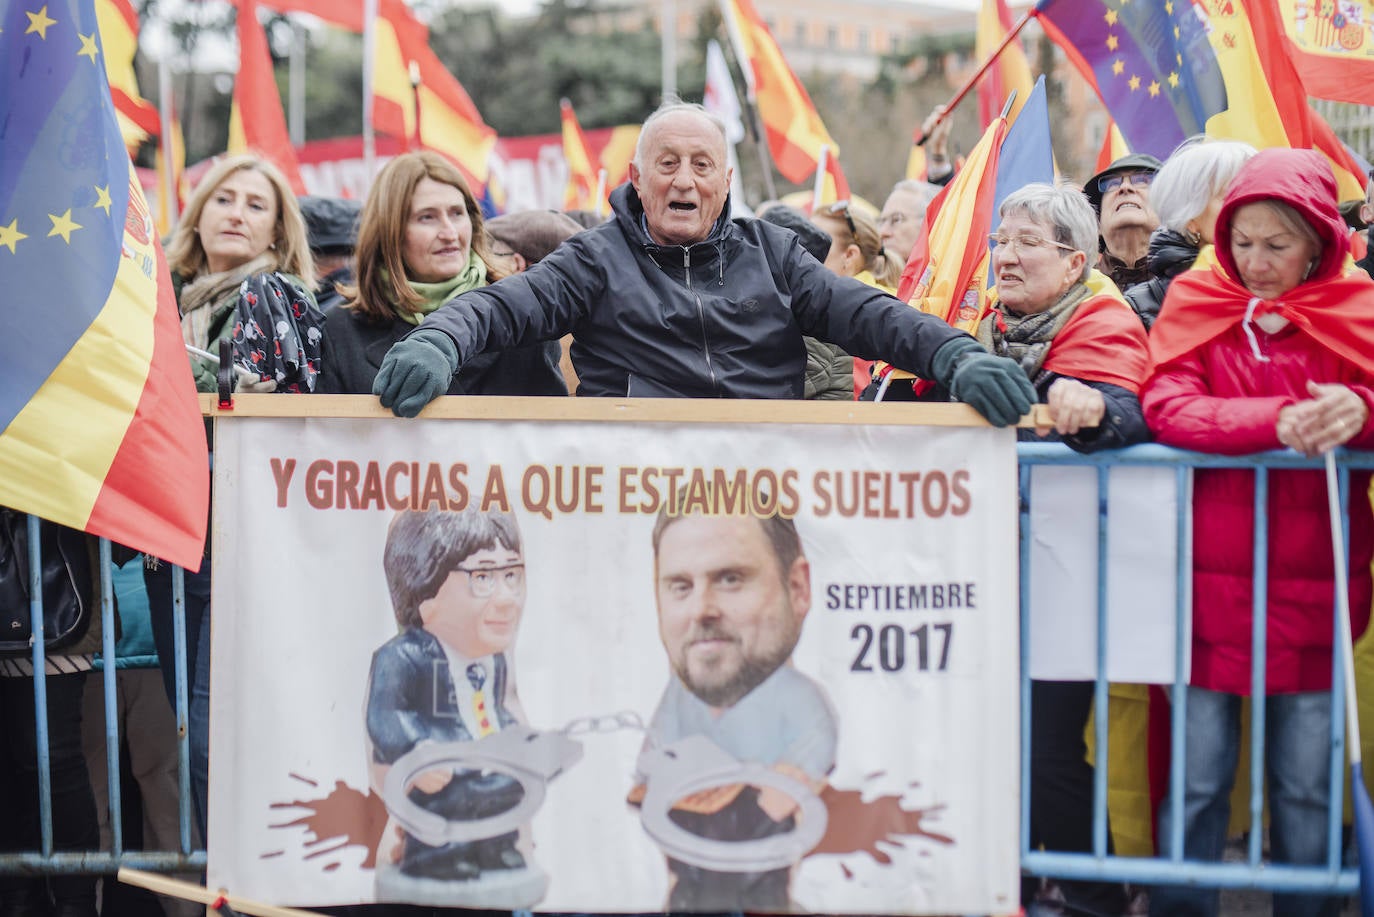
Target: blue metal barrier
x,y
1172,869
1330,878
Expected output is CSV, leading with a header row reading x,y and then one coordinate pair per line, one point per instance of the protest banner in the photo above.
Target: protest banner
x,y
753,656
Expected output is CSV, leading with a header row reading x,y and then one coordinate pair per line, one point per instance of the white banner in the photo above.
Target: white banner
x,y
710,715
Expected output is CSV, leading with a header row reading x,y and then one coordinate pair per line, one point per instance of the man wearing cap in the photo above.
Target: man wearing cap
x,y
332,226
1121,196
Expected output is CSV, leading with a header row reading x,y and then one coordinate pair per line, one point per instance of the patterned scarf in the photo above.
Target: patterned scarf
x,y
434,295
205,299
1027,338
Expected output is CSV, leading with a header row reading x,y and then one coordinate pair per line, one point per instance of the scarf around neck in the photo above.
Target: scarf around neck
x,y
434,295
205,299
1027,338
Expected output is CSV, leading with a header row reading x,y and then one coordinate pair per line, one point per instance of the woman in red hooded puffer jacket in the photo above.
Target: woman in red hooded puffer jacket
x,y
1268,344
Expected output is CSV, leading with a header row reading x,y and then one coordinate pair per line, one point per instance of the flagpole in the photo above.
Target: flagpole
x,y
414,70
369,73
755,121
600,191
669,51
296,83
972,81
164,105
818,189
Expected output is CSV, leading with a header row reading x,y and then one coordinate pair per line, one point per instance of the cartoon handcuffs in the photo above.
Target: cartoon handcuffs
x,y
531,758
695,763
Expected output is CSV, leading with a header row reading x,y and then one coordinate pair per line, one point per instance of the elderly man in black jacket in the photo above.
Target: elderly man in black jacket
x,y
672,298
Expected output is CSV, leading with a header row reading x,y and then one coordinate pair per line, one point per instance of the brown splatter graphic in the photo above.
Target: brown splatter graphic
x,y
856,826
344,818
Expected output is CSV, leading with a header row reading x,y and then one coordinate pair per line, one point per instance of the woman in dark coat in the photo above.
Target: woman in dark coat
x,y
421,242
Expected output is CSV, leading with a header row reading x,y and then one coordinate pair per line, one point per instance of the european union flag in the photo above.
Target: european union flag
x,y
99,425
64,189
1151,62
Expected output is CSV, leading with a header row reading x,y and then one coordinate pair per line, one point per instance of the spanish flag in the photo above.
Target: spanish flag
x,y
99,424
794,128
438,111
1010,74
581,193
138,119
256,120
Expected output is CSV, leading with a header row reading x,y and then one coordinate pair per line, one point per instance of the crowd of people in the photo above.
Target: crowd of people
x,y
1208,302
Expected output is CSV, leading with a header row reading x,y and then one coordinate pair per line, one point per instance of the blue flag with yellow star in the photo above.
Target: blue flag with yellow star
x,y
99,425
1150,61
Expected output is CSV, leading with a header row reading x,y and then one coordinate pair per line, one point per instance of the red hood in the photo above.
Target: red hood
x,y
1300,178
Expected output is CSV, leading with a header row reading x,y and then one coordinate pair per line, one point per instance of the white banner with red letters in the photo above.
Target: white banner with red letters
x,y
600,666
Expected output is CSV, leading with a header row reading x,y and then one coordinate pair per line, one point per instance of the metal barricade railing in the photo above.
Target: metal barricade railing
x,y
46,860
1172,869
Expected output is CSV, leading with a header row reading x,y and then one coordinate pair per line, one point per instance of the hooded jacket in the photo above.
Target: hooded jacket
x,y
1215,389
1171,253
720,318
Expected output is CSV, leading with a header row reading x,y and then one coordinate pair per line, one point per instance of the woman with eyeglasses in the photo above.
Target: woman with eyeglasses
x,y
1186,194
1086,355
856,250
421,242
1268,345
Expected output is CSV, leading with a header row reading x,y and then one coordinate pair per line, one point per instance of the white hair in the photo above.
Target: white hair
x,y
672,106
1192,176
1065,209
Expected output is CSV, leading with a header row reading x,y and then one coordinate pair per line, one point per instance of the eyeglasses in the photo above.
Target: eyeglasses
x,y
841,209
1027,243
482,581
893,219
1112,182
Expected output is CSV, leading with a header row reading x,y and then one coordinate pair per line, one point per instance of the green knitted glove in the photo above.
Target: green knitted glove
x,y
417,369
993,386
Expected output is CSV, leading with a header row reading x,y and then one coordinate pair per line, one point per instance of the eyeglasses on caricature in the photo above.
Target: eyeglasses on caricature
x,y
482,581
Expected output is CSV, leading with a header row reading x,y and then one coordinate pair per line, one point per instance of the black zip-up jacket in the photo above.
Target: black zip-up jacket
x,y
720,318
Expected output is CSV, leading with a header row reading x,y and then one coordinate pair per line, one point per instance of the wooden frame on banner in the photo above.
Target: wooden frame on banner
x,y
641,410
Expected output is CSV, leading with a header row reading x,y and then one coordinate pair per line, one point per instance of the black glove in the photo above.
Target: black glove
x,y
417,369
993,386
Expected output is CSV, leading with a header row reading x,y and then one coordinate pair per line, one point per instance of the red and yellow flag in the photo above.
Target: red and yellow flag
x,y
137,116
1266,99
1113,146
99,425
448,122
947,273
1332,47
1012,70
794,128
581,193
256,120
169,205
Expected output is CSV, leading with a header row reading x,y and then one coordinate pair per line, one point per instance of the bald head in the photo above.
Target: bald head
x,y
681,173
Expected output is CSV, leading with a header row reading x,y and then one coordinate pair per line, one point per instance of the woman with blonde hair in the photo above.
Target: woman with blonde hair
x,y
421,242
242,236
242,222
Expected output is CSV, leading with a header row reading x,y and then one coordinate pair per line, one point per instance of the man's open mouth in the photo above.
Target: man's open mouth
x,y
682,206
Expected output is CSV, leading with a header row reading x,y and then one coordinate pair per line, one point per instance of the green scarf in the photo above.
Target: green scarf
x,y
434,295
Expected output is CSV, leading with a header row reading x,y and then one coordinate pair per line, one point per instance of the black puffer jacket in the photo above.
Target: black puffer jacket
x,y
721,318
1170,255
